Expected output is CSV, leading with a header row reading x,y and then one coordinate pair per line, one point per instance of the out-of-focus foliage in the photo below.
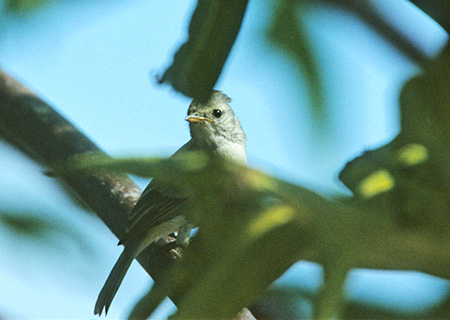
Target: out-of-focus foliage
x,y
37,227
252,228
439,10
25,225
212,32
24,6
290,302
403,179
268,224
283,302
288,34
410,177
425,114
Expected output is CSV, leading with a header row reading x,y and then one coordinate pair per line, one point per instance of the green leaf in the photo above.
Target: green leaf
x,y
288,34
283,302
198,63
34,226
25,225
189,162
251,230
25,6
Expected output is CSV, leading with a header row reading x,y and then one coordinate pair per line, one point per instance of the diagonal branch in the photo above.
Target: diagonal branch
x,y
370,15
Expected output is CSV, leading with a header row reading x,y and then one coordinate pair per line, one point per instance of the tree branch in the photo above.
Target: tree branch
x,y
438,10
366,11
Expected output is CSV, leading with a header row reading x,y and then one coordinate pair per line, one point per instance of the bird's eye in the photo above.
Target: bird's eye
x,y
217,113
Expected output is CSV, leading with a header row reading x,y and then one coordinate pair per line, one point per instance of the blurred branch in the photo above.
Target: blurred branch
x,y
37,129
368,12
287,32
438,10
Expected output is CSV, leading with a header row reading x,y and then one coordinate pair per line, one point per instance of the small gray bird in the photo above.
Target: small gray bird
x,y
216,131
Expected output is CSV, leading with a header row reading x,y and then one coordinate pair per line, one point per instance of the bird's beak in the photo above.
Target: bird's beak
x,y
197,119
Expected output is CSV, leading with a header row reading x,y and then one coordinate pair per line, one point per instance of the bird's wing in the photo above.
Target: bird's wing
x,y
157,205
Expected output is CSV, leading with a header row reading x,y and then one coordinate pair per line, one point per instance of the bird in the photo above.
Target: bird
x,y
216,131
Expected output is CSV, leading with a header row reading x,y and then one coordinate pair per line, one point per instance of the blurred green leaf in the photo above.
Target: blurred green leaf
x,y
25,6
168,169
25,225
92,162
245,264
198,63
288,34
252,228
425,114
409,178
289,302
35,227
404,180
148,303
283,302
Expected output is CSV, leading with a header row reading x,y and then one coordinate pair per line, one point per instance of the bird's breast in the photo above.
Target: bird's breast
x,y
233,152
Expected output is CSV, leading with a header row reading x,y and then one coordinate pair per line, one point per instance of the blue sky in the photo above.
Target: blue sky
x,y
96,62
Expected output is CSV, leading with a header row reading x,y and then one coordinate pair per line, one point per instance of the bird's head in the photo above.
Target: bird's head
x,y
214,120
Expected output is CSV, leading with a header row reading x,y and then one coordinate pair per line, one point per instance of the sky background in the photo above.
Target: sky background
x,y
96,62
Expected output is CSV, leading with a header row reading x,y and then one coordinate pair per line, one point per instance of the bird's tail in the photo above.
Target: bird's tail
x,y
115,279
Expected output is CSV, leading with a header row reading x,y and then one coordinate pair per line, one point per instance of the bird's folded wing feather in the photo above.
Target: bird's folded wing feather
x,y
157,205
